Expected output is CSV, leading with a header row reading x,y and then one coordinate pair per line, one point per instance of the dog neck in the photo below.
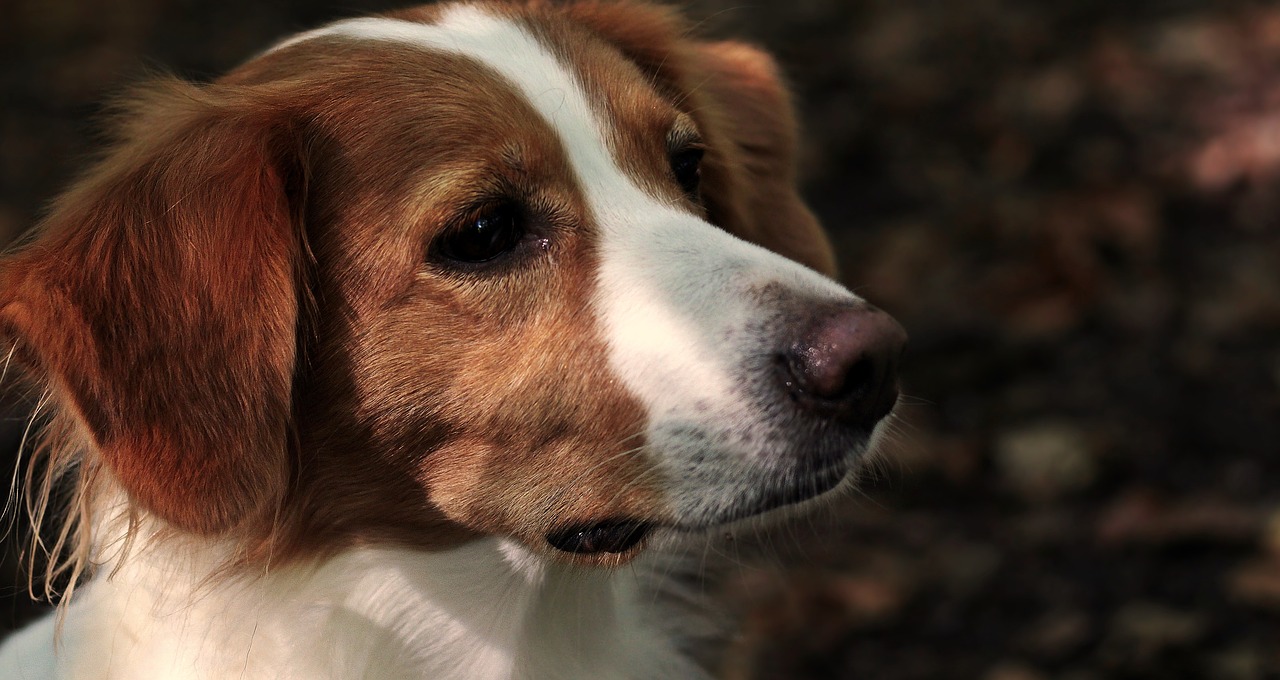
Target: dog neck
x,y
487,609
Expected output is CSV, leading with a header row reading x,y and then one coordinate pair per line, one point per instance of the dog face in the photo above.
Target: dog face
x,y
468,269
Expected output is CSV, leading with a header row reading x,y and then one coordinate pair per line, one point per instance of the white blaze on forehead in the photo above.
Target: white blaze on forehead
x,y
504,46
674,294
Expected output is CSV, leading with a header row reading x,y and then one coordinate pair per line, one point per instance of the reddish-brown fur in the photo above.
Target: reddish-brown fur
x,y
239,306
160,307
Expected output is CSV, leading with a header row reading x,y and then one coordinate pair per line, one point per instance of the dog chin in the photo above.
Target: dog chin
x,y
781,500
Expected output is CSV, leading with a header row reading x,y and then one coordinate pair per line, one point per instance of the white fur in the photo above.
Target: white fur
x,y
485,610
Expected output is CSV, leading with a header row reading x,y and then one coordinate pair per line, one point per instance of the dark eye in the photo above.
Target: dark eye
x,y
484,238
687,167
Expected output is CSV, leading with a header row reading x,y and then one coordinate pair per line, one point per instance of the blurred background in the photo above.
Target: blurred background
x,y
1074,207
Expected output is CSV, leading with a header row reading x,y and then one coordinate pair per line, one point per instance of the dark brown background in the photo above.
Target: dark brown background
x,y
1073,208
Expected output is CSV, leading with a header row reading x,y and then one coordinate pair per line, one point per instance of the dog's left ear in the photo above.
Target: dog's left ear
x,y
736,94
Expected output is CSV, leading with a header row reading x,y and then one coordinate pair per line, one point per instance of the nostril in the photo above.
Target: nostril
x,y
857,379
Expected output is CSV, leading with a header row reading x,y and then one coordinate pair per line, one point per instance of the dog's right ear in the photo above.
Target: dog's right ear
x,y
158,304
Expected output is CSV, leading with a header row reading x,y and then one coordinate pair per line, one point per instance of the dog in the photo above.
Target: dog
x,y
421,345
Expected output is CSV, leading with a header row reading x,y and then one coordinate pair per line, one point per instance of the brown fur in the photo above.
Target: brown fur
x,y
159,304
239,310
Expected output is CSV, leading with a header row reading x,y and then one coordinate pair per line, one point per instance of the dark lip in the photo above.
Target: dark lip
x,y
612,536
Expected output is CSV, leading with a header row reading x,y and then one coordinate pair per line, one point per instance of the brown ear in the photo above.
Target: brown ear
x,y
158,303
736,94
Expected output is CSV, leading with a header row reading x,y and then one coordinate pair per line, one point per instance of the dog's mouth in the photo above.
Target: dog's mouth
x,y
609,536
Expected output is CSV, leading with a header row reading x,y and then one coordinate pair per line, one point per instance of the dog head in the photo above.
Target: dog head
x,y
518,269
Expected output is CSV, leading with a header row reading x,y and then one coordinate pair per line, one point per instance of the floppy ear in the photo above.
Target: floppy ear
x,y
158,304
736,94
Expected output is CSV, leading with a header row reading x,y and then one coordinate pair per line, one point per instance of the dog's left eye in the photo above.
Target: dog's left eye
x,y
496,231
687,167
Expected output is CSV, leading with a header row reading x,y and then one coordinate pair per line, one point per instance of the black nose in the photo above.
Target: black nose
x,y
844,366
